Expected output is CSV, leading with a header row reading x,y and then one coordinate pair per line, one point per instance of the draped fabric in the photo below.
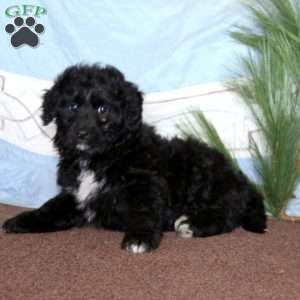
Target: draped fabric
x,y
178,52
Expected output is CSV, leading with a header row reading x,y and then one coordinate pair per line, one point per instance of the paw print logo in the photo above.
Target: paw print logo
x,y
24,32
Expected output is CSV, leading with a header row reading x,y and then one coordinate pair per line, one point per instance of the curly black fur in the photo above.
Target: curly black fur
x,y
115,172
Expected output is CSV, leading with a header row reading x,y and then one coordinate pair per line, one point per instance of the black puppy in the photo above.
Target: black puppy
x,y
115,172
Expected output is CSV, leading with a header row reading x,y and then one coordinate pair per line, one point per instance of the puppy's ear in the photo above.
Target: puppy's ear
x,y
131,95
48,107
134,106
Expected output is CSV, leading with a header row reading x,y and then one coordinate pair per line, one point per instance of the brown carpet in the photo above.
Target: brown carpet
x,y
88,264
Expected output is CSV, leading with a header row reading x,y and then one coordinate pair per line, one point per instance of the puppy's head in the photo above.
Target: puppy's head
x,y
94,108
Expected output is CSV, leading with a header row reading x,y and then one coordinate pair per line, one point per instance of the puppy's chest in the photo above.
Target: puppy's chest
x,y
88,186
97,198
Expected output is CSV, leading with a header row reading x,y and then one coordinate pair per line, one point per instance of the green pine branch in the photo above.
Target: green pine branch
x,y
271,93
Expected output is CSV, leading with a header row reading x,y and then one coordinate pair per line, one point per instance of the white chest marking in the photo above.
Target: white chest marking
x,y
88,185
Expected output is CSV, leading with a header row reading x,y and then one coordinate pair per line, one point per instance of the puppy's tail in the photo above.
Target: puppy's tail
x,y
254,218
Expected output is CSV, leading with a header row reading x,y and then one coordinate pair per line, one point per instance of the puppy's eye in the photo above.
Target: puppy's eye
x,y
73,107
102,109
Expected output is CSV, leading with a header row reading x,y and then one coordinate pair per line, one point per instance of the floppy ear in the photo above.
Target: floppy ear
x,y
48,107
128,91
134,106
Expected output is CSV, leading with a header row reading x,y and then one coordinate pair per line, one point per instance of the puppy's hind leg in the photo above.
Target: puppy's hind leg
x,y
59,213
205,223
254,218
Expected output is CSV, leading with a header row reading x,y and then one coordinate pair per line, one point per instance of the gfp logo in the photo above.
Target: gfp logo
x,y
25,30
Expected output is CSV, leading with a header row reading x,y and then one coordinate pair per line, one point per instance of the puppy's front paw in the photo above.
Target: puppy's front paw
x,y
11,225
138,244
136,247
19,224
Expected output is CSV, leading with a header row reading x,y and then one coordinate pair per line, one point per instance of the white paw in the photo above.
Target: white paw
x,y
136,248
182,228
179,221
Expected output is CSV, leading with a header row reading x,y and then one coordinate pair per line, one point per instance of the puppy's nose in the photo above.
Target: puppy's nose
x,y
82,134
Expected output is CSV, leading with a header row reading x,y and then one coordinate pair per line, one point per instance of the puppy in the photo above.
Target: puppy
x,y
116,173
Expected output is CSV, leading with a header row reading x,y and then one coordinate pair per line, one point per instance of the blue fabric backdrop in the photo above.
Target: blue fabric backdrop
x,y
160,45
